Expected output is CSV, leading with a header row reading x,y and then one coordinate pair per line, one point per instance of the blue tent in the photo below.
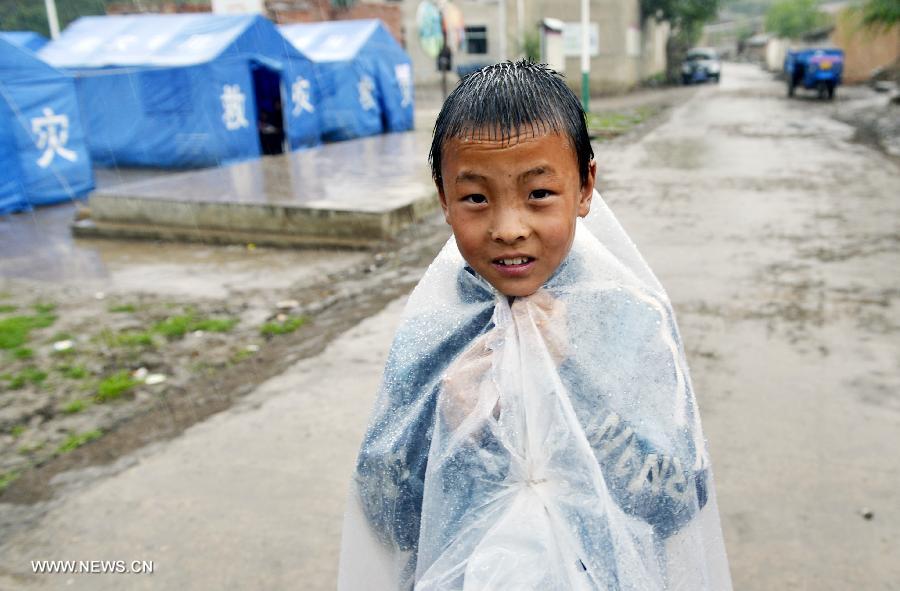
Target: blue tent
x,y
43,153
185,90
364,76
25,39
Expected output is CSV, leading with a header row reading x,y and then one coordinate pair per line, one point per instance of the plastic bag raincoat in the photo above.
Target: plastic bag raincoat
x,y
548,442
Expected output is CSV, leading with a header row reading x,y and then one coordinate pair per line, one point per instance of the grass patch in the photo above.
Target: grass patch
x,y
27,449
62,336
113,386
289,325
23,353
74,406
123,308
73,372
7,478
610,124
15,330
44,308
7,308
17,430
175,327
31,375
76,440
242,355
128,338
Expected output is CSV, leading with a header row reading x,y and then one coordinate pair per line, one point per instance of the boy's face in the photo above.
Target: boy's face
x,y
514,199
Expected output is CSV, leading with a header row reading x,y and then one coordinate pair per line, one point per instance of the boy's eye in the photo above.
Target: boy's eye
x,y
540,193
475,198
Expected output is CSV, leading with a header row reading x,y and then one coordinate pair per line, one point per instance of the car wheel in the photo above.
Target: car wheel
x,y
685,80
790,88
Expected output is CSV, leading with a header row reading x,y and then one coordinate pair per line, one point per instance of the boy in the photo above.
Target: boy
x,y
535,428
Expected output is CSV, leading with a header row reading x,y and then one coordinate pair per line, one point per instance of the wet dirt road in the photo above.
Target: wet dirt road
x,y
777,239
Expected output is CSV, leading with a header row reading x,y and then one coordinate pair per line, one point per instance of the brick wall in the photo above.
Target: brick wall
x,y
312,11
288,11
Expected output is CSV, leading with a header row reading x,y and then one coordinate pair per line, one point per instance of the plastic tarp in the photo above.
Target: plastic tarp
x,y
43,153
550,442
364,76
25,39
177,91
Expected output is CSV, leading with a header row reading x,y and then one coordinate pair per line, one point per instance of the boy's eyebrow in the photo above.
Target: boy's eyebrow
x,y
468,175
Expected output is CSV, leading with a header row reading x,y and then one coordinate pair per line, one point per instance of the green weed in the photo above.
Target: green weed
x,y
14,331
7,478
76,440
44,308
128,338
290,324
73,372
29,374
175,327
113,386
74,406
23,353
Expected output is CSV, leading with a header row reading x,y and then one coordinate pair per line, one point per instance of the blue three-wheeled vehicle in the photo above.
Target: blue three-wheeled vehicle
x,y
814,69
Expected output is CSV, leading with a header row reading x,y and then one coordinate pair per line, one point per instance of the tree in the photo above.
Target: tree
x,y
686,19
881,14
793,18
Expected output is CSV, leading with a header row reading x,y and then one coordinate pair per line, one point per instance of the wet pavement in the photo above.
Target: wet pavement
x,y
39,250
321,196
338,175
776,237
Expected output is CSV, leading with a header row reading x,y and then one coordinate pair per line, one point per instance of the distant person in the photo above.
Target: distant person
x,y
271,129
536,428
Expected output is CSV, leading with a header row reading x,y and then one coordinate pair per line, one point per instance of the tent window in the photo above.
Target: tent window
x,y
165,91
476,39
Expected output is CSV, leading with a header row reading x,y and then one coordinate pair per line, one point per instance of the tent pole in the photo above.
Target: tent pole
x,y
52,18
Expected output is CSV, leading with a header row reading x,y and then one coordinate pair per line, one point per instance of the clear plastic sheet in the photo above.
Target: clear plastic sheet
x,y
551,442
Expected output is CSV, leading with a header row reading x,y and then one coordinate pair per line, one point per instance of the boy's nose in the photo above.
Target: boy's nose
x,y
509,227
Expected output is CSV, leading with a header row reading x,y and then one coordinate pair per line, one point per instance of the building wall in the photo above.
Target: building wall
x,y
425,67
624,59
864,49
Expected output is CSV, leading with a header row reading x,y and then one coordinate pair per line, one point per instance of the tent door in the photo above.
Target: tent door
x,y
269,115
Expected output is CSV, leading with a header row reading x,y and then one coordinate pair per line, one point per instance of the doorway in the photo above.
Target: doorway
x,y
269,112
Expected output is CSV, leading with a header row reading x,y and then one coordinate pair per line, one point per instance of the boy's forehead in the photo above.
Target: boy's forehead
x,y
502,136
528,144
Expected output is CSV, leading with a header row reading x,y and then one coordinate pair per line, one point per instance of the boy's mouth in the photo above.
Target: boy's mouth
x,y
511,267
513,261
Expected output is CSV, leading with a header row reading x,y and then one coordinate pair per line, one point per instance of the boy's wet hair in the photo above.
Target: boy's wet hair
x,y
503,100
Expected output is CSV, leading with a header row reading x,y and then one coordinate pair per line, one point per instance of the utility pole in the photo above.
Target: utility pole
x,y
52,18
585,57
520,24
502,4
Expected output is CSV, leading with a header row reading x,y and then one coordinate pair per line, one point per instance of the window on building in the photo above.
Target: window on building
x,y
476,39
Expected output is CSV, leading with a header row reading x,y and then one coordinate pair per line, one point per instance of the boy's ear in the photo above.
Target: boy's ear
x,y
443,199
587,190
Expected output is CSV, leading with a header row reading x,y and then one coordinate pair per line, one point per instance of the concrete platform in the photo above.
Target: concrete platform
x,y
347,194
